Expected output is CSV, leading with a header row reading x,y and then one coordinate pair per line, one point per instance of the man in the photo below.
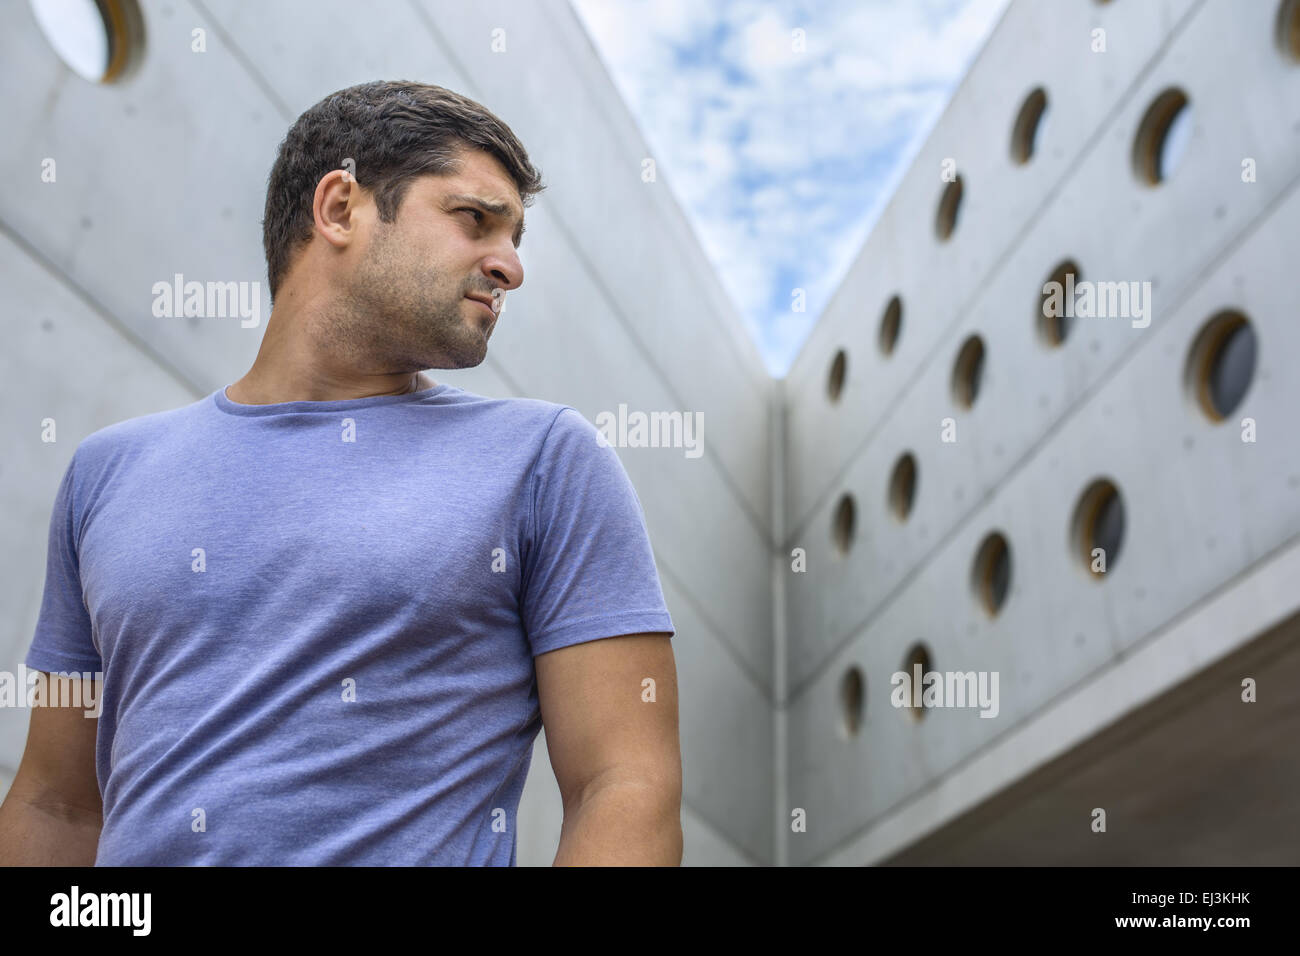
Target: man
x,y
333,602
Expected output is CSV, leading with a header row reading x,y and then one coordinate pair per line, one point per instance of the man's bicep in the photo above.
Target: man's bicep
x,y
609,708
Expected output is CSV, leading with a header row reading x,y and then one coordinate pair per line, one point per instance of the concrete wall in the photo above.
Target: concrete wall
x,y
1204,509
165,172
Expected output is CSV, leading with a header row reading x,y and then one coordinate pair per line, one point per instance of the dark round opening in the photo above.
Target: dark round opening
x,y
100,40
949,204
902,486
1024,135
842,526
919,654
1055,301
1288,28
891,323
1162,137
967,371
1099,524
835,381
852,697
991,575
1221,364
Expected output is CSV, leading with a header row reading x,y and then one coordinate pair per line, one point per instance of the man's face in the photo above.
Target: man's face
x,y
454,237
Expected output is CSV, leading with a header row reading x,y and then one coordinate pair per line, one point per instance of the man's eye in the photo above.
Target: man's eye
x,y
478,213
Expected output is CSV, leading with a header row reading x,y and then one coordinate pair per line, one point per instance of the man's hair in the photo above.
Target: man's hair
x,y
392,132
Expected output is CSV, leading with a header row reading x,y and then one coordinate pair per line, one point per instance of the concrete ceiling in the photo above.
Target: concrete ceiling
x,y
1195,778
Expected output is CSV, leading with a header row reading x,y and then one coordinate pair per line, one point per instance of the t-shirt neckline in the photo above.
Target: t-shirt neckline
x,y
296,408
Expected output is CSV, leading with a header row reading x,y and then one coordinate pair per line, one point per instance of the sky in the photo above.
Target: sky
x,y
782,159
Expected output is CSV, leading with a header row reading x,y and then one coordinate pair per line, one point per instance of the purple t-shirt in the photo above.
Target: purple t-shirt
x,y
316,621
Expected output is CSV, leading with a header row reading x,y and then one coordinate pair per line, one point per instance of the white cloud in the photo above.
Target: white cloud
x,y
767,43
779,158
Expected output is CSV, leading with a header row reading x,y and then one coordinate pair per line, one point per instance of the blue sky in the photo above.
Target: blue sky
x,y
783,160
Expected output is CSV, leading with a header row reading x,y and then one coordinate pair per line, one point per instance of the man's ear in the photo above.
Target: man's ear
x,y
335,206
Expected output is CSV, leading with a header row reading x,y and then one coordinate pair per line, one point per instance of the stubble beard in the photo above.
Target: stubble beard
x,y
407,319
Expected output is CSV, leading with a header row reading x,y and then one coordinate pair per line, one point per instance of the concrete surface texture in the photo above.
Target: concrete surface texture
x,y
786,675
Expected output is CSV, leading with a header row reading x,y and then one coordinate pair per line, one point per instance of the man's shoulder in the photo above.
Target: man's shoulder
x,y
134,434
554,418
559,435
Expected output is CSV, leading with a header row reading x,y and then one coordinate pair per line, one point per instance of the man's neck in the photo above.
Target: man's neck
x,y
250,390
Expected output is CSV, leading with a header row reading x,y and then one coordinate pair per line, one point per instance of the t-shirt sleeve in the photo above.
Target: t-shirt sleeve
x,y
63,639
589,570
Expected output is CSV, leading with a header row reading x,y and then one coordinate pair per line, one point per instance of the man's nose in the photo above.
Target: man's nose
x,y
504,270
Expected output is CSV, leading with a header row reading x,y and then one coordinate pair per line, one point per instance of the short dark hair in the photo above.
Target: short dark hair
x,y
393,131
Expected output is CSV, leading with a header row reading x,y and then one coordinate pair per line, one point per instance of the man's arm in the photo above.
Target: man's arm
x,y
52,814
616,755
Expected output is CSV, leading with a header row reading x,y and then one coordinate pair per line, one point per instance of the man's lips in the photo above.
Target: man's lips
x,y
483,302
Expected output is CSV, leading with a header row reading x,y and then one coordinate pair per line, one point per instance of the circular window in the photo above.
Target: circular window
x,y
1098,527
1024,135
1221,363
891,323
99,40
835,381
949,203
916,667
842,526
852,697
902,487
1056,304
1162,137
967,371
991,575
1288,28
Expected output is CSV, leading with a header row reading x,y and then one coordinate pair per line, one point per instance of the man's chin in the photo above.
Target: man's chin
x,y
470,355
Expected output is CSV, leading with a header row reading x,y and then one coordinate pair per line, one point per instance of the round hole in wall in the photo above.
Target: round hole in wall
x,y
1024,135
1054,297
968,371
1162,137
852,700
918,655
835,381
949,204
99,40
902,486
843,523
1099,525
891,323
991,574
1221,363
1288,28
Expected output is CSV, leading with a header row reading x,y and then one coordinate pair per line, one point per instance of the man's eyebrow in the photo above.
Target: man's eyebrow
x,y
499,209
